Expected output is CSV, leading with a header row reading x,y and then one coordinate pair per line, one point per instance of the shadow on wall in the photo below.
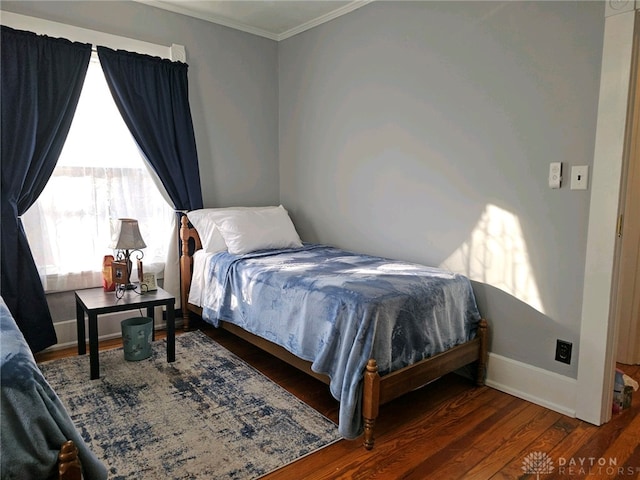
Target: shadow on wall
x,y
496,259
517,317
496,253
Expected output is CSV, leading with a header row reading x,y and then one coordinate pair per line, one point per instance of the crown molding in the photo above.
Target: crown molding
x,y
209,18
176,8
324,18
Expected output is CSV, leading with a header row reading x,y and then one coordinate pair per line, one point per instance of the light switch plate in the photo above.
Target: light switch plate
x,y
555,174
579,177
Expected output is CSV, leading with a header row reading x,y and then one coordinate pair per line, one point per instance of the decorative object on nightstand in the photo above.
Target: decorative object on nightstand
x,y
148,282
107,274
126,241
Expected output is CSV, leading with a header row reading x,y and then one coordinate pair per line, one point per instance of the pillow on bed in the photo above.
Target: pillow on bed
x,y
257,229
204,222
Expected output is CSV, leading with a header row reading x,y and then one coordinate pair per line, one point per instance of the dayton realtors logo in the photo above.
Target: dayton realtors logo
x,y
539,463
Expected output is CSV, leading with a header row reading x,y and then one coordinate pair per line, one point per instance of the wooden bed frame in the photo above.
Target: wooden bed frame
x,y
377,390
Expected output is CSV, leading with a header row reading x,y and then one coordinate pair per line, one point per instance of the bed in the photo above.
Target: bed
x,y
39,440
371,328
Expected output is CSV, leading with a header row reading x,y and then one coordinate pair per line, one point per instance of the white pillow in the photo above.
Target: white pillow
x,y
204,222
248,230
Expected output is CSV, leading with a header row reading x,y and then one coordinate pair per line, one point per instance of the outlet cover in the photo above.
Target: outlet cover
x,y
579,177
563,351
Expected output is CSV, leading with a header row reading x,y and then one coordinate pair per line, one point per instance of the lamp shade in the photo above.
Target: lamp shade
x,y
127,235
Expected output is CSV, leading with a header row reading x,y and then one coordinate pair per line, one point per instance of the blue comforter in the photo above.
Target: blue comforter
x,y
338,309
34,421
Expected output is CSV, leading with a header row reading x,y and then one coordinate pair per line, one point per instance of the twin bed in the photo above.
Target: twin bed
x,y
371,328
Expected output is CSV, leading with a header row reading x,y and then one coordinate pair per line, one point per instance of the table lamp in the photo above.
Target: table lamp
x,y
126,241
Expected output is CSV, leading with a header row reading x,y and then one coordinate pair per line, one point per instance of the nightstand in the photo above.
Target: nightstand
x,y
95,301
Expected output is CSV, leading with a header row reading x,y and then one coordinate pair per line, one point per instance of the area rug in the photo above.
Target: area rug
x,y
209,415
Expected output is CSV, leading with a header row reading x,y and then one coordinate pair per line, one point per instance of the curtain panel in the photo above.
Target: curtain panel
x,y
41,81
152,95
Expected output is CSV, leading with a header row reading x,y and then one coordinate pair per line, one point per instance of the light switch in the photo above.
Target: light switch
x,y
555,174
579,177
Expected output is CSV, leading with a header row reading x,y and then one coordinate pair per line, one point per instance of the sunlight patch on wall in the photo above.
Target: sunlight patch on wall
x,y
496,254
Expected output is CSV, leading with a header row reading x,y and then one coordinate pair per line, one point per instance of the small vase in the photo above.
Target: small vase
x,y
107,277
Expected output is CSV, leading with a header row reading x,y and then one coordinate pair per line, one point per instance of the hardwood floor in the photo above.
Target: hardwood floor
x,y
451,429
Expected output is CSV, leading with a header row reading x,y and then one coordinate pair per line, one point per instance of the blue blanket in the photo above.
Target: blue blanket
x,y
34,421
338,309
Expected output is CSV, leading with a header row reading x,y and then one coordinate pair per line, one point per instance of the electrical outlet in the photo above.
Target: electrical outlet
x,y
563,351
579,177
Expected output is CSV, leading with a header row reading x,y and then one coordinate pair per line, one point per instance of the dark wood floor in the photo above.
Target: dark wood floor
x,y
451,429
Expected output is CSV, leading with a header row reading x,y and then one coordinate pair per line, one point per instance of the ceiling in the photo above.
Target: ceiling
x,y
274,19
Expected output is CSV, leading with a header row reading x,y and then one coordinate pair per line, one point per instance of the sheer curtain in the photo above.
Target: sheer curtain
x,y
100,177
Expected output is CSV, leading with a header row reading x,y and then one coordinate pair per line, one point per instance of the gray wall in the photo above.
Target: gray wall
x,y
233,90
424,131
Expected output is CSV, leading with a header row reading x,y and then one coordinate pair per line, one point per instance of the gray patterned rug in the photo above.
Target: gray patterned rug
x,y
209,415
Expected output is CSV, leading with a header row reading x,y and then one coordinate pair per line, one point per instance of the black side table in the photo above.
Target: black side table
x,y
95,301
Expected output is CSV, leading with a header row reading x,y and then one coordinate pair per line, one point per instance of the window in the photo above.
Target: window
x,y
101,176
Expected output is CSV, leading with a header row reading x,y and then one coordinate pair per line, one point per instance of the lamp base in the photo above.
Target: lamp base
x,y
129,286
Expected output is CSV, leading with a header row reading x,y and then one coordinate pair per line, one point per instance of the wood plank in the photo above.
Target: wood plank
x,y
472,450
505,441
457,452
581,435
418,437
619,451
547,442
632,466
599,439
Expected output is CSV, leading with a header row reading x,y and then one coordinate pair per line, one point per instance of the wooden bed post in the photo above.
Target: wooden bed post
x,y
370,401
185,271
69,467
483,335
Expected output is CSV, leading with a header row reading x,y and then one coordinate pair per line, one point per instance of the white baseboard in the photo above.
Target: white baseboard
x,y
536,385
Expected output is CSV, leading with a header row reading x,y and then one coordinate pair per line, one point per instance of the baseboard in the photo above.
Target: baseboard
x,y
536,385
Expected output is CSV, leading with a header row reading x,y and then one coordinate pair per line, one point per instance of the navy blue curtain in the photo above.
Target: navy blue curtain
x,y
152,96
41,81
